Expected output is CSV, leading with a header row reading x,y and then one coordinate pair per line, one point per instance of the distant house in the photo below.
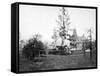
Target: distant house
x,y
77,41
74,42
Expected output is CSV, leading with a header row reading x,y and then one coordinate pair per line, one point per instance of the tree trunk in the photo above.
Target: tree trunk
x,y
62,43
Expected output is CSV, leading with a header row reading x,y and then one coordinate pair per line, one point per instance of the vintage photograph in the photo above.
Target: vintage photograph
x,y
54,38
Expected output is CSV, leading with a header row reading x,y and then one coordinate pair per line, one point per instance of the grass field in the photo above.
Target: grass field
x,y
57,62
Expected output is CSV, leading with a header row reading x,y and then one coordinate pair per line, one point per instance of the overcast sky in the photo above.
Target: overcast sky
x,y
42,20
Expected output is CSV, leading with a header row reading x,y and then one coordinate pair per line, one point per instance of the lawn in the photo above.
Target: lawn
x,y
56,62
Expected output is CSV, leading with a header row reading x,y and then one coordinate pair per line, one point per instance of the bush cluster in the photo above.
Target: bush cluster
x,y
32,48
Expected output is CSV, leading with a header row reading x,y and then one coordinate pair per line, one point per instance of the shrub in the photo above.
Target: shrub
x,y
32,48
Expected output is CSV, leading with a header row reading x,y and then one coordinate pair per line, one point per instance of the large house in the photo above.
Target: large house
x,y
74,42
77,41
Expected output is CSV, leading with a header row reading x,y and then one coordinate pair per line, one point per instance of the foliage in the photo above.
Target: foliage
x,y
90,45
63,23
33,47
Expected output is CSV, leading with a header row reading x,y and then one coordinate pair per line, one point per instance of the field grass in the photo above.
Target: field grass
x,y
56,62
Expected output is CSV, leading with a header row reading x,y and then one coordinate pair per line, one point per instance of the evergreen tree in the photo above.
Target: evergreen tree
x,y
63,25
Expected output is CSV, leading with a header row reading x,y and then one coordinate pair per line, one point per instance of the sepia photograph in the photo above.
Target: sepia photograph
x,y
56,38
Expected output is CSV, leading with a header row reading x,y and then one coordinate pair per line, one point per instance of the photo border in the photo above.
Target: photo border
x,y
15,30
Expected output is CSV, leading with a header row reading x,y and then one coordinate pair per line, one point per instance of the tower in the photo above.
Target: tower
x,y
74,36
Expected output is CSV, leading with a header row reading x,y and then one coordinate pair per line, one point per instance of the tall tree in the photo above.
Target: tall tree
x,y
73,39
90,31
54,37
21,42
63,25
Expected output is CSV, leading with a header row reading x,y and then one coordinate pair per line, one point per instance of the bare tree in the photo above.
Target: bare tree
x,y
55,37
90,31
21,42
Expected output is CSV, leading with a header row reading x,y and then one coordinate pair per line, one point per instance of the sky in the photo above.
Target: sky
x,y
42,20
